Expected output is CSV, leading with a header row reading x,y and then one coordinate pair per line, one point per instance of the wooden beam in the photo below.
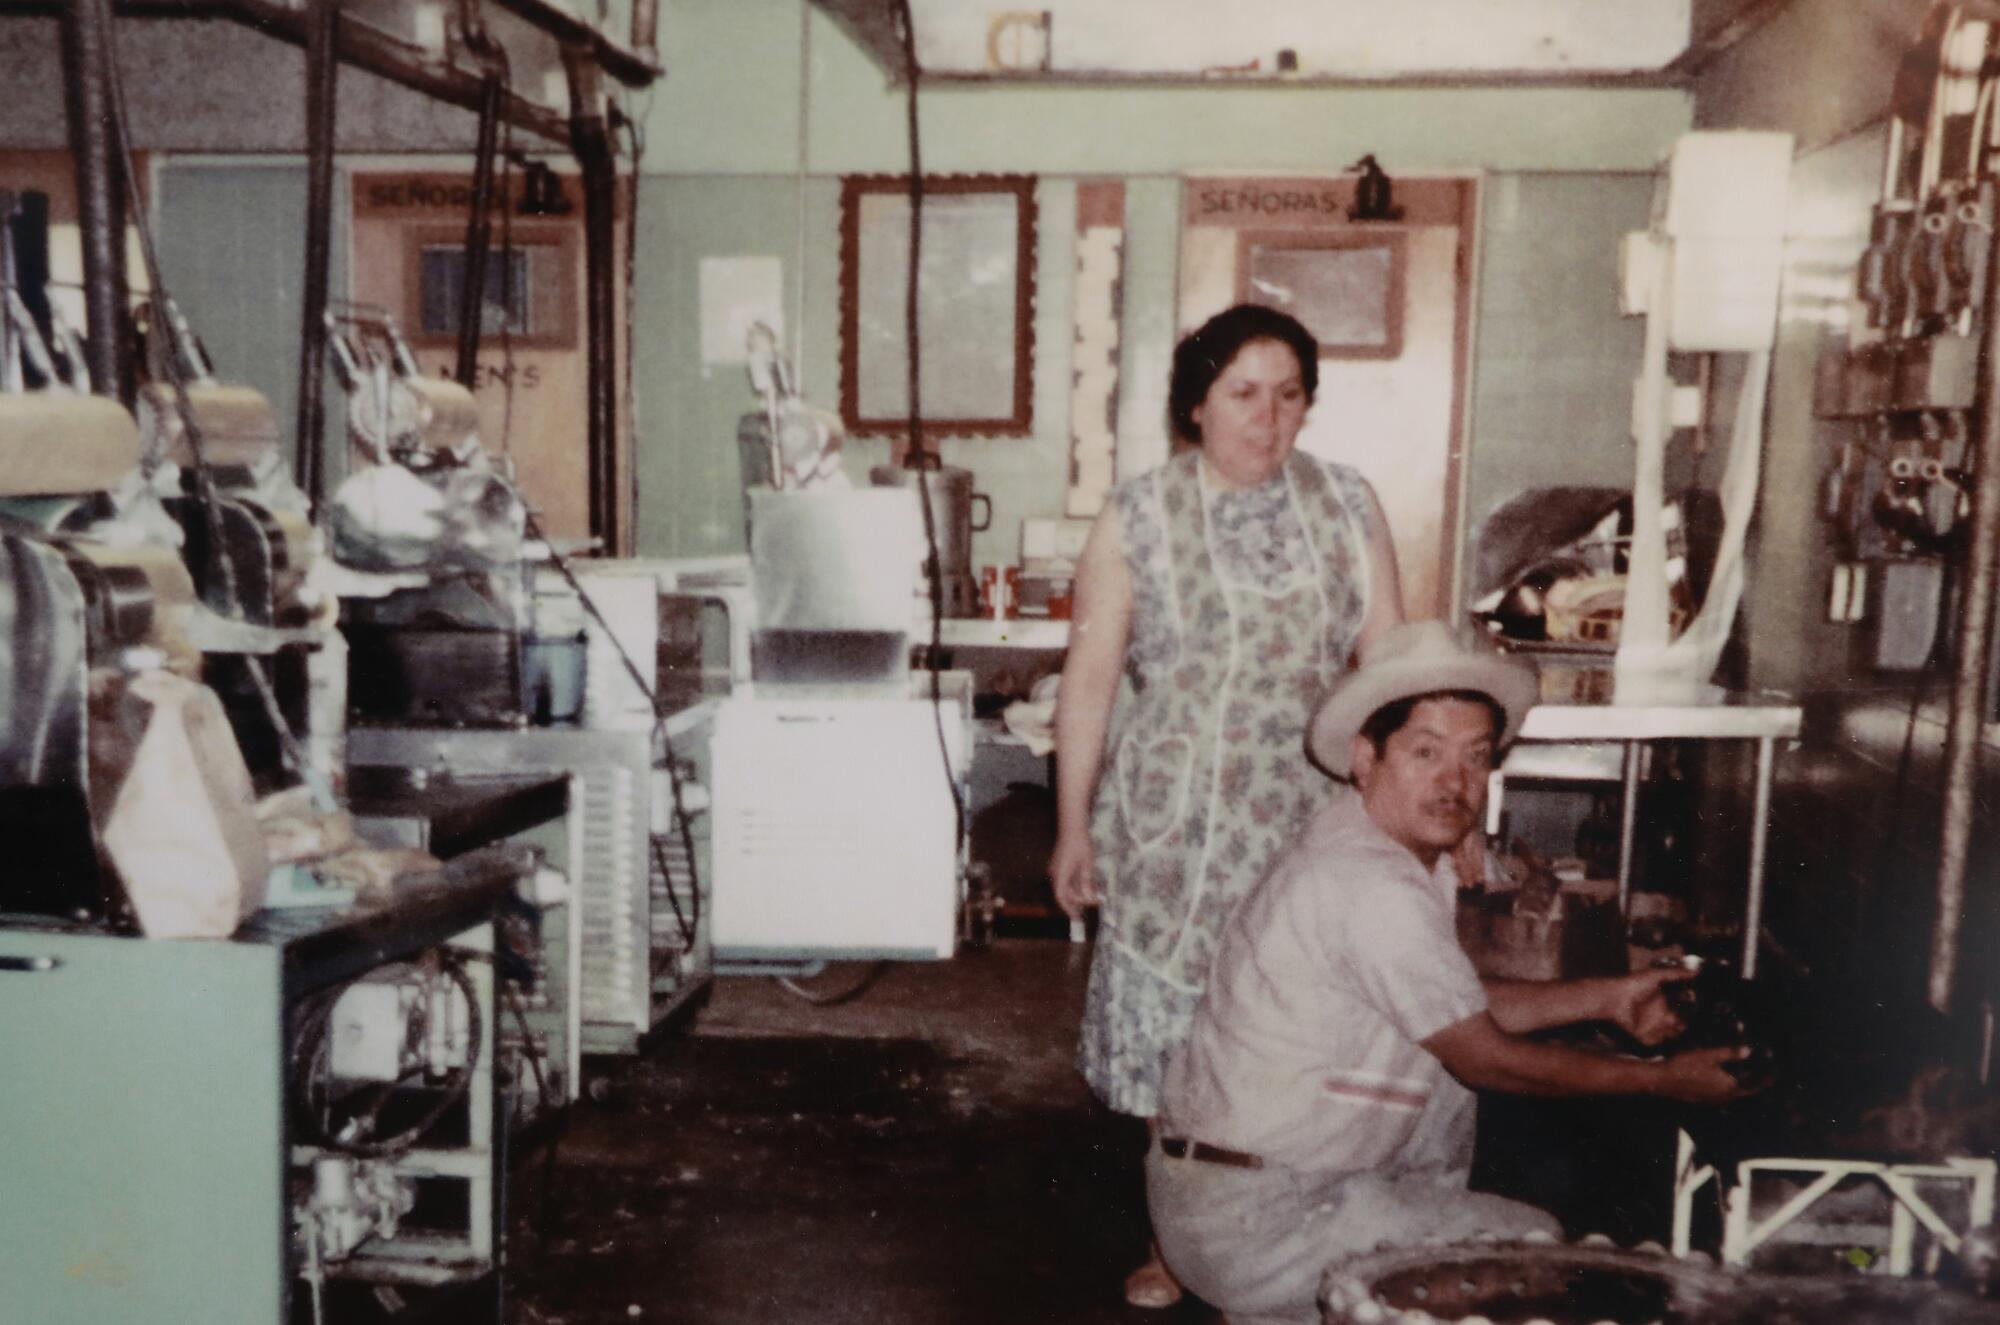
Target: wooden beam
x,y
632,67
412,67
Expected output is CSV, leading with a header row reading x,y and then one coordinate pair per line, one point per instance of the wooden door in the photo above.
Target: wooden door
x,y
1390,301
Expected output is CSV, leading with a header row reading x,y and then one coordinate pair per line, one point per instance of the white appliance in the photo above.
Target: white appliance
x,y
836,831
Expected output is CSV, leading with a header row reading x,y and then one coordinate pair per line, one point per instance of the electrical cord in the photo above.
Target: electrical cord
x,y
681,920
528,1050
682,820
509,989
917,457
311,1050
687,923
555,1110
635,138
872,972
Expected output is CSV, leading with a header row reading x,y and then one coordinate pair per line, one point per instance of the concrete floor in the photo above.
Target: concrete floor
x,y
923,1153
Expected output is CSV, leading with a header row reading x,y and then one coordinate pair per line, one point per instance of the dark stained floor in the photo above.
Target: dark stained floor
x,y
923,1153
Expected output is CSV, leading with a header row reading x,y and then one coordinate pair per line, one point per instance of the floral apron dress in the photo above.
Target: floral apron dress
x,y
1246,605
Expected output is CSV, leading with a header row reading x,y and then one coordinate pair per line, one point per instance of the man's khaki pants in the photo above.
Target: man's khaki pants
x,y
1255,1242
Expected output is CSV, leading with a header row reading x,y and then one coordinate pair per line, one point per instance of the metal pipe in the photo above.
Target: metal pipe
x,y
478,235
1760,836
590,139
100,196
389,57
1975,632
322,90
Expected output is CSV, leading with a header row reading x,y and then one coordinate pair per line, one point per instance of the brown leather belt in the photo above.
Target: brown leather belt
x,y
1180,1147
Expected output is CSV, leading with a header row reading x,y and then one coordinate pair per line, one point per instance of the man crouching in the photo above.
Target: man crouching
x,y
1323,1101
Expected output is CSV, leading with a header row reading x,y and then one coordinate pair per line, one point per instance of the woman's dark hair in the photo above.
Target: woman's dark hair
x,y
1386,721
1206,351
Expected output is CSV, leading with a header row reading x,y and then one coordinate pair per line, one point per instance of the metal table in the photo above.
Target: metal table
x,y
1558,741
450,816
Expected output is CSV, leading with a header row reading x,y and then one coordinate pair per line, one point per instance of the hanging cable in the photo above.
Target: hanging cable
x,y
916,458
175,364
322,81
687,921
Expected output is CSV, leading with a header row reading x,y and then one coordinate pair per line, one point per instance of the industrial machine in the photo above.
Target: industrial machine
x,y
325,1078
310,1134
638,923
813,862
439,613
1898,495
115,566
817,861
635,938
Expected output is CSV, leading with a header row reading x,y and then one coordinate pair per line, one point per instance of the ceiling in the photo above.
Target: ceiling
x,y
1313,41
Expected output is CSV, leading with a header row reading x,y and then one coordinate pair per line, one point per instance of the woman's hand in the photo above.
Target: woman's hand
x,y
1073,871
1100,624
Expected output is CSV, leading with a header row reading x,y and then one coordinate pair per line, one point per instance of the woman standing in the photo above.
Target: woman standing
x,y
1216,598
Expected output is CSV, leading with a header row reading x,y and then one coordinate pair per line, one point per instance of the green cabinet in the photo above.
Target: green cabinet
x,y
141,1100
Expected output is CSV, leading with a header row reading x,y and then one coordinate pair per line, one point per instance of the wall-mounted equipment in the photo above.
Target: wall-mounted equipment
x,y
1898,493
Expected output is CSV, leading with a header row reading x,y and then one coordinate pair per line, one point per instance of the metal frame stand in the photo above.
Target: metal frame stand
x,y
1743,1232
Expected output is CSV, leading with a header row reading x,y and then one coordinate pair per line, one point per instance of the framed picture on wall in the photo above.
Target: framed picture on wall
x,y
1346,285
976,334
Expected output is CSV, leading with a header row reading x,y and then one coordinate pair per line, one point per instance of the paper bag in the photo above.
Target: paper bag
x,y
181,827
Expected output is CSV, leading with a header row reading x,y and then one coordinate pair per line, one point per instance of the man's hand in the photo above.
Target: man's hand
x,y
1638,1003
1468,858
1701,1076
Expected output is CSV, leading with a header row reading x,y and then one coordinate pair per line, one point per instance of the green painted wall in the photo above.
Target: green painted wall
x,y
231,239
731,104
736,165
1553,358
742,159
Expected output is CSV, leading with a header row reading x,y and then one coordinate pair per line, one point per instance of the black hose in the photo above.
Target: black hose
x,y
916,458
478,232
89,67
322,94
311,1045
592,144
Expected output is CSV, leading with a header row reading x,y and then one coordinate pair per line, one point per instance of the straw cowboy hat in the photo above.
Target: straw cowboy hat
x,y
1416,658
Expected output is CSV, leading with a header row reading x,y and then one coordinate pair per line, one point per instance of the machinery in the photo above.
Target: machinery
x,y
315,1139
1898,495
341,1061
441,614
811,862
477,653
107,570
